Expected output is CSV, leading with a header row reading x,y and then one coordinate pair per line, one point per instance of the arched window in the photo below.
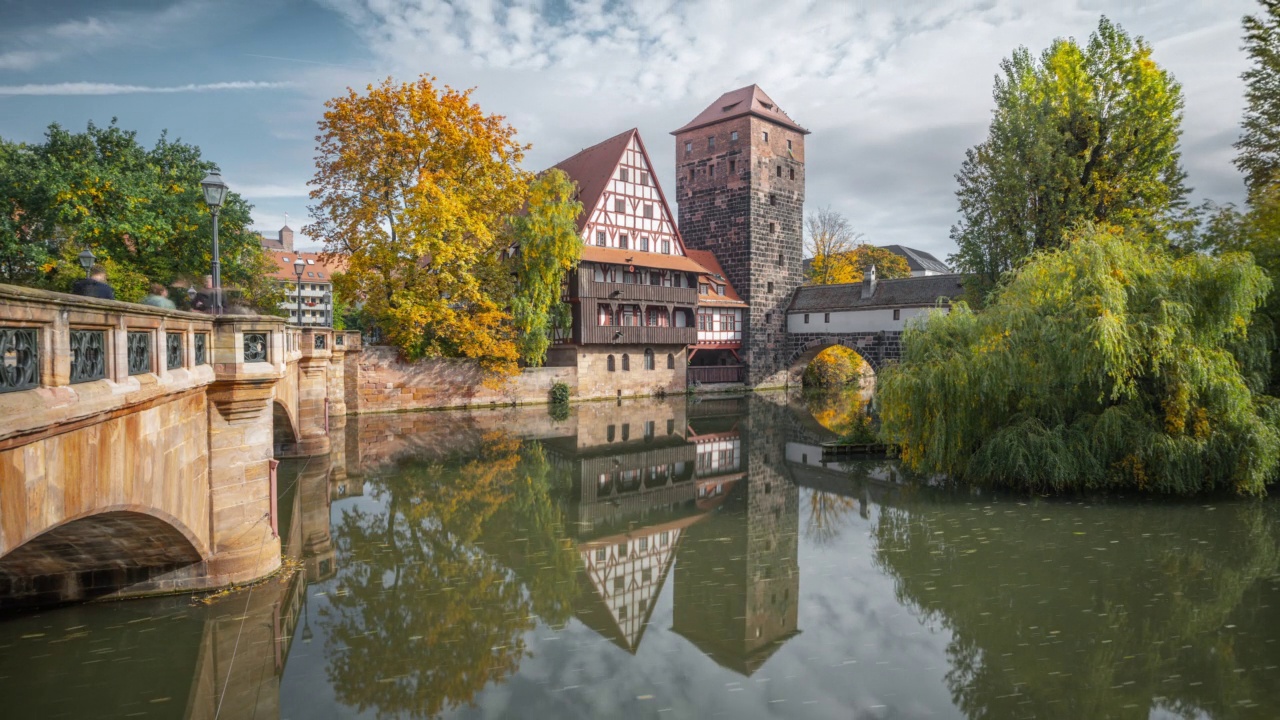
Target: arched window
x,y
648,358
610,363
626,362
671,361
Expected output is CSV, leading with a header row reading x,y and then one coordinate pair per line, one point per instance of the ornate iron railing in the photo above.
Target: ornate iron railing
x,y
139,352
339,340
320,342
88,355
202,348
255,347
173,350
19,359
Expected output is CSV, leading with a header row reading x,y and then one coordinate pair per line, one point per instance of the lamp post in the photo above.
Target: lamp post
x,y
328,309
215,191
86,262
298,266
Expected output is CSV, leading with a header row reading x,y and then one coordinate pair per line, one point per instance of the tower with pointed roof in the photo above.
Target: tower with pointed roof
x,y
740,191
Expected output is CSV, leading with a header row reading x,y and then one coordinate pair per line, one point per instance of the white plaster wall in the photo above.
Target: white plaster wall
x,y
845,321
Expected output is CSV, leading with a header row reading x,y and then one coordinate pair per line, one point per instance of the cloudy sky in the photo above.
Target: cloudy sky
x,y
893,91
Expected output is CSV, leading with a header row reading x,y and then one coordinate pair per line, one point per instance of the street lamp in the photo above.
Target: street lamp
x,y
215,191
298,266
328,308
86,262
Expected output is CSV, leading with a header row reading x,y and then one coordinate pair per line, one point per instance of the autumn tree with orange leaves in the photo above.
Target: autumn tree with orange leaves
x,y
413,186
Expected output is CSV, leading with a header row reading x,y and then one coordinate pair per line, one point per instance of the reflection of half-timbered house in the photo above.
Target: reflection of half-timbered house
x,y
634,297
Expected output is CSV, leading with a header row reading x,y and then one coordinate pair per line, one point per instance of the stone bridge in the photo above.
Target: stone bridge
x,y
138,445
877,348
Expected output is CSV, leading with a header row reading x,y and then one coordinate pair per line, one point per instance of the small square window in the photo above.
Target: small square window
x,y
601,238
619,582
644,178
897,314
666,247
622,612
648,210
733,136
826,317
719,289
619,205
624,241
806,318
622,174
642,544
602,555
622,550
646,575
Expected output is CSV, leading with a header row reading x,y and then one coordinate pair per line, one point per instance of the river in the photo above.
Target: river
x,y
681,559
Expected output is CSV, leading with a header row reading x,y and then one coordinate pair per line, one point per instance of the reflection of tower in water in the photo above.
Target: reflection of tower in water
x,y
737,578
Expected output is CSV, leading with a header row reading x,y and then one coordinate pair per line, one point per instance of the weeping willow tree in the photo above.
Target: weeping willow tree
x,y
1104,364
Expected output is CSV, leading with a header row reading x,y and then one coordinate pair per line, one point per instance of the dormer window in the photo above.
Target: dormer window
x,y
719,289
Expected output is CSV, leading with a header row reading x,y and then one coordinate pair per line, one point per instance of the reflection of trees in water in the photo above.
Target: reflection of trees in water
x,y
843,411
425,611
1061,611
827,516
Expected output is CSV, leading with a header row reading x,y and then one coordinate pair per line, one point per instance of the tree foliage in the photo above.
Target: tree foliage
x,y
828,236
836,366
139,210
1259,144
413,186
1083,134
547,248
1105,364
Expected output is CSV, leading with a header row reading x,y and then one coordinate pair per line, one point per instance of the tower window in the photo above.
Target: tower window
x,y
619,205
773,199
781,260
688,148
622,174
711,143
773,228
733,166
779,171
711,171
793,173
733,136
769,289
764,135
690,174
788,144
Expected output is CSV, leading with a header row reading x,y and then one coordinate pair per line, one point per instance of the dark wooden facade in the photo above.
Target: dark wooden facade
x,y
586,295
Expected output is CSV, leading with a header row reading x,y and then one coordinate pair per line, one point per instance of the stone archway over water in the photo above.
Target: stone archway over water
x,y
801,359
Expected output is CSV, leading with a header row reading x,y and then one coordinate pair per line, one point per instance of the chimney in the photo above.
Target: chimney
x,y
869,282
286,238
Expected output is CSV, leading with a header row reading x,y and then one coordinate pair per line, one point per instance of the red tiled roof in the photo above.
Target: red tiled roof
x,y
320,270
592,168
618,256
707,259
750,100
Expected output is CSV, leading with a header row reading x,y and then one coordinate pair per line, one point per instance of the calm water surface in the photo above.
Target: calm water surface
x,y
681,560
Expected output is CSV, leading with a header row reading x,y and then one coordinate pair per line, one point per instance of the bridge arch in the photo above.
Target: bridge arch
x,y
100,552
801,358
284,430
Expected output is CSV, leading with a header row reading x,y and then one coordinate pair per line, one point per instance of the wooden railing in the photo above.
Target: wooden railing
x,y
623,292
632,335
711,374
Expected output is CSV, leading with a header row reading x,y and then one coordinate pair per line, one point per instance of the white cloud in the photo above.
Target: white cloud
x,y
893,91
93,88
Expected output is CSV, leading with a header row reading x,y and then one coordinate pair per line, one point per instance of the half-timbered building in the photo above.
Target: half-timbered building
x,y
634,297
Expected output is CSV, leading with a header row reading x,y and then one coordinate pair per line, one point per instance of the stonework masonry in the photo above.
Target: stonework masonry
x,y
743,200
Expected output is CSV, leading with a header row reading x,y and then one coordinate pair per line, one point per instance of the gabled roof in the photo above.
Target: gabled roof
x,y
618,256
321,271
750,100
918,260
707,259
900,292
592,169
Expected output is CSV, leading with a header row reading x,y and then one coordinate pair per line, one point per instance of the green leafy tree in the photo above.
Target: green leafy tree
x,y
548,247
1107,363
139,210
1083,134
1259,143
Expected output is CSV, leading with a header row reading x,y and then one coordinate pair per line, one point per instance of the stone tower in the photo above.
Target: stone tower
x,y
740,189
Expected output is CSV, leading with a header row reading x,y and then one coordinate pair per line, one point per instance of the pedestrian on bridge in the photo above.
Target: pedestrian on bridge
x,y
95,285
159,297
